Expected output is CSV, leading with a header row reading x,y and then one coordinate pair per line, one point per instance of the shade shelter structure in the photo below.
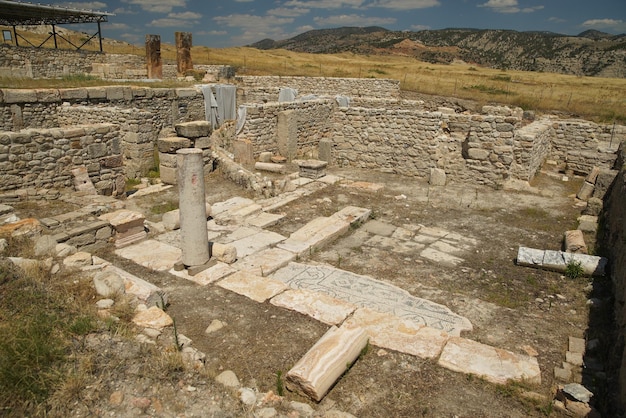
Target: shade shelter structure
x,y
16,13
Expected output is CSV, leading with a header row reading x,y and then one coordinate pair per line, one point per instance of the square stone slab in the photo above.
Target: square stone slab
x,y
318,306
152,254
265,262
252,286
210,275
492,364
388,331
379,228
441,257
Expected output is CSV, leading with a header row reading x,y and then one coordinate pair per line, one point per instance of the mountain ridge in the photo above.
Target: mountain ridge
x,y
590,53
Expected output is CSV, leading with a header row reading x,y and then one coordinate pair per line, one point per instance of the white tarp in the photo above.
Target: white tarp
x,y
287,94
219,103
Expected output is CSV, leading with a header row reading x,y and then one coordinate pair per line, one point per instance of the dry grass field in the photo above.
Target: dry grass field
x,y
595,98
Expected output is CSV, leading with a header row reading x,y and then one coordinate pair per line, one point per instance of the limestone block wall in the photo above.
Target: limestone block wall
x,y
30,62
532,146
612,239
20,109
137,138
289,129
583,144
259,89
44,158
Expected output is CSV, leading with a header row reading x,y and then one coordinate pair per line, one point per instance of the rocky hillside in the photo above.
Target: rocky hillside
x,y
590,53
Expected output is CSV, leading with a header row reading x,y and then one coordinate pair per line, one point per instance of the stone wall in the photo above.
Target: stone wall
x,y
257,89
44,158
612,240
20,109
290,129
30,62
583,144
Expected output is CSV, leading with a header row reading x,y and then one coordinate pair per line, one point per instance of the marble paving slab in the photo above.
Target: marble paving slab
x,y
388,331
152,254
491,363
318,306
210,275
256,242
265,262
252,286
370,293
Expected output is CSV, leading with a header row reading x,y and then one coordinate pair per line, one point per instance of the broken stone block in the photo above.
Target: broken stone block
x,y
194,129
225,253
172,144
593,175
493,364
168,175
78,260
271,167
108,284
152,317
437,177
312,169
574,242
265,157
82,182
243,151
326,361
586,191
594,206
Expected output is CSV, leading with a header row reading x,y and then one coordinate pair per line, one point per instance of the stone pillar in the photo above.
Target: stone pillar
x,y
183,52
287,134
194,238
153,56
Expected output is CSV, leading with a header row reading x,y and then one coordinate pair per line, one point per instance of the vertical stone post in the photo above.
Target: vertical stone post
x,y
287,134
153,56
183,52
194,238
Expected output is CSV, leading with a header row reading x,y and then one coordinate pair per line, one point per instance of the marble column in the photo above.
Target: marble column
x,y
193,230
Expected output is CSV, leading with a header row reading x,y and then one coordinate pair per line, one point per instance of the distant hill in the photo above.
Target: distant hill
x,y
591,53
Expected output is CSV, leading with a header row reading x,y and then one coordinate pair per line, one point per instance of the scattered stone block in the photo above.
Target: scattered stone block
x,y
594,206
82,182
45,245
437,177
194,129
576,345
28,226
586,191
78,260
493,364
223,252
326,361
558,261
312,169
271,167
574,242
265,157
577,392
593,175
152,317
172,144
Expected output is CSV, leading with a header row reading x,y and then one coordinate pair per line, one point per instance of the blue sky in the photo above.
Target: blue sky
x,y
240,22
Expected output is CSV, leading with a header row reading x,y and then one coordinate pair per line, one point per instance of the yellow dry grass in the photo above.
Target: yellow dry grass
x,y
595,98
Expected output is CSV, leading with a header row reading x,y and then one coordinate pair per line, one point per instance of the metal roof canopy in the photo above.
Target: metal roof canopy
x,y
13,13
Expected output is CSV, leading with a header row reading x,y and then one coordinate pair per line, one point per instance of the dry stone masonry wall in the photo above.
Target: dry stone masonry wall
x,y
265,89
44,158
389,135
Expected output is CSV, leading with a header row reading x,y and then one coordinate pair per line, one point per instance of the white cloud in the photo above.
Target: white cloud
x,y
405,4
254,27
325,4
605,24
212,32
556,20
157,6
508,6
84,5
116,26
185,15
167,23
353,20
420,27
288,12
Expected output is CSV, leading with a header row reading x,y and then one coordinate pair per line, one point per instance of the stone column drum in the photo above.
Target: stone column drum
x,y
194,238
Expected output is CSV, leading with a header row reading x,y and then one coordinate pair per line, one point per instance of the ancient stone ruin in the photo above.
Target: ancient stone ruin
x,y
281,146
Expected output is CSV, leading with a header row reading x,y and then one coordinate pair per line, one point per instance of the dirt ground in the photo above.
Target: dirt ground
x,y
515,308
